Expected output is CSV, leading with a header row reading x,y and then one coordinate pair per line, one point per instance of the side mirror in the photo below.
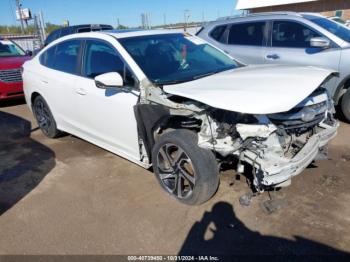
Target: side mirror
x,y
29,53
109,80
320,42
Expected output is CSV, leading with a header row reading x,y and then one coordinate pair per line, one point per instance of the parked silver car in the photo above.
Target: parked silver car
x,y
288,38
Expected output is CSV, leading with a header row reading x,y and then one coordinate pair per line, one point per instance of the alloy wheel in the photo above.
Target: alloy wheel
x,y
176,171
43,116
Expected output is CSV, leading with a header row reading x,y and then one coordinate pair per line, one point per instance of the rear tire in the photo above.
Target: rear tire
x,y
345,105
44,118
183,169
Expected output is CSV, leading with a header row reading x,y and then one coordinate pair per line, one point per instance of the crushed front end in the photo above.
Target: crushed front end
x,y
277,146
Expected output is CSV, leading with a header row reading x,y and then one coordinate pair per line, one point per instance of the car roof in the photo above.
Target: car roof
x,y
118,34
136,32
86,25
261,16
81,26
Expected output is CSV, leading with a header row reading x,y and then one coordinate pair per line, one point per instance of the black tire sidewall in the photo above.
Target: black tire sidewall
x,y
345,105
53,132
203,161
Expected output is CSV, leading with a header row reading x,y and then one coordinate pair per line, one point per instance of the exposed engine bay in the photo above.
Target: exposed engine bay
x,y
276,146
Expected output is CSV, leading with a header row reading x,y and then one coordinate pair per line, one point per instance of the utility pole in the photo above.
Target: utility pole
x,y
149,20
41,20
18,7
186,17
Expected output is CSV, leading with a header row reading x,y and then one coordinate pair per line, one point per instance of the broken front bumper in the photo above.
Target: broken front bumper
x,y
273,169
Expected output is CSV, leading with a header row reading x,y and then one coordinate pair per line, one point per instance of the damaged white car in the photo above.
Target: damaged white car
x,y
174,102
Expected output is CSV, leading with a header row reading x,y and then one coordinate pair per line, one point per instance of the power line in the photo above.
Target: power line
x,y
186,18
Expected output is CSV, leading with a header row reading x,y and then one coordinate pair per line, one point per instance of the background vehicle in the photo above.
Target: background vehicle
x,y
75,29
12,58
339,20
288,38
174,101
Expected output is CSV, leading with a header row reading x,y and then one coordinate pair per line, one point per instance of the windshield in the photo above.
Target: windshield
x,y
8,48
176,58
335,28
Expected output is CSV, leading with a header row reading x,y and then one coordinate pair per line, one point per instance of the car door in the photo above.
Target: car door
x,y
107,115
246,41
290,44
57,77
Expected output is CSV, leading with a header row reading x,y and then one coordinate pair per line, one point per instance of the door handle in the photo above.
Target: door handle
x,y
44,82
272,56
81,91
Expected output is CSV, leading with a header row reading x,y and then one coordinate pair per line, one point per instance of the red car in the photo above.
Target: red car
x,y
12,58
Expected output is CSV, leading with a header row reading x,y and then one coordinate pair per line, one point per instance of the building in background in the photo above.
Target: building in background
x,y
340,8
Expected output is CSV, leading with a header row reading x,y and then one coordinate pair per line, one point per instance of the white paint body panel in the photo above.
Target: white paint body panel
x,y
254,89
103,117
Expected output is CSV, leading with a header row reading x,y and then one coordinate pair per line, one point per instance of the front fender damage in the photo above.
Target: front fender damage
x,y
277,146
274,155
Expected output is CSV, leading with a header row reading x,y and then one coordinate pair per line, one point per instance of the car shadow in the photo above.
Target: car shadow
x,y
221,233
23,161
12,102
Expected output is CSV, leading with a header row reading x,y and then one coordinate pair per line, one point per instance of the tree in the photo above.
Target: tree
x,y
51,27
122,27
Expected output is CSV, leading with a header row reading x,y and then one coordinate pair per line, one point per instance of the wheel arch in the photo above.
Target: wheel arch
x,y
341,89
33,96
154,120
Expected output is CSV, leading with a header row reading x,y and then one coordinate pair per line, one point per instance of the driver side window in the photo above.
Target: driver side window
x,y
101,58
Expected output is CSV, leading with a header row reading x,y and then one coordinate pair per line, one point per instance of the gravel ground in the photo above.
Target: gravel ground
x,y
67,196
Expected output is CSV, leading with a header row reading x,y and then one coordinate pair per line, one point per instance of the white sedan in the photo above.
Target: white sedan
x,y
174,101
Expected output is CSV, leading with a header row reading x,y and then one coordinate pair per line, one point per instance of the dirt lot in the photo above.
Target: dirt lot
x,y
67,196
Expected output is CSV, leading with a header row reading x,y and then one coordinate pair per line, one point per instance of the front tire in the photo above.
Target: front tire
x,y
183,169
44,118
345,105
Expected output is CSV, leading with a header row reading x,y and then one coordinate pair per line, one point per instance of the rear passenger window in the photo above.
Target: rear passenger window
x,y
62,57
291,34
47,58
218,33
66,56
252,34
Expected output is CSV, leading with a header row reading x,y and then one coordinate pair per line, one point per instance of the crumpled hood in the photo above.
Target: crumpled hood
x,y
254,89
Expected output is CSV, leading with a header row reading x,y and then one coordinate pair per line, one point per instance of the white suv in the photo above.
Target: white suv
x,y
288,38
174,101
